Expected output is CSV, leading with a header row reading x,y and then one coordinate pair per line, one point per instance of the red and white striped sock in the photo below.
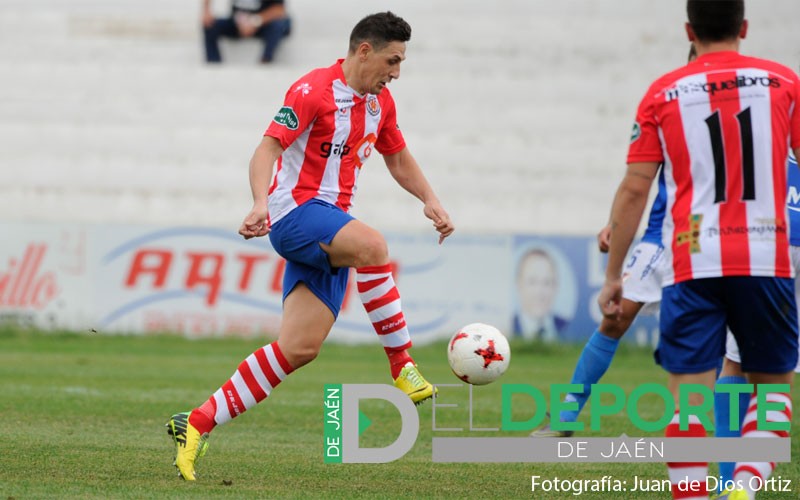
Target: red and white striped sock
x,y
745,471
684,473
378,293
253,381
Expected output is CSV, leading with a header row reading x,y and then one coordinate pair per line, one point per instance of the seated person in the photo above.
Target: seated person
x,y
265,19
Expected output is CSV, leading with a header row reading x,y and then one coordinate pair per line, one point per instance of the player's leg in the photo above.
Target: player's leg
x,y
305,324
358,245
642,285
731,373
312,296
763,318
597,355
692,341
686,472
594,360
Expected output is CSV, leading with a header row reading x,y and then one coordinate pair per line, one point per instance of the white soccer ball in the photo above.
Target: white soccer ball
x,y
478,354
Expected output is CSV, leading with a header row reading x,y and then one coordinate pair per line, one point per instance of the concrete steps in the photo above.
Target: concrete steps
x,y
518,113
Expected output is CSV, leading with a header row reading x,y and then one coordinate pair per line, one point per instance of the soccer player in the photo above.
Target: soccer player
x,y
721,126
731,372
642,279
331,121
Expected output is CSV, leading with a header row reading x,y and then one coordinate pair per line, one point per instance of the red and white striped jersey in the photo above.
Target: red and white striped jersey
x,y
328,131
722,126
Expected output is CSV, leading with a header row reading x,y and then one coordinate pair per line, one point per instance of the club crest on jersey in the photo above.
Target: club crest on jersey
x,y
287,118
373,108
636,132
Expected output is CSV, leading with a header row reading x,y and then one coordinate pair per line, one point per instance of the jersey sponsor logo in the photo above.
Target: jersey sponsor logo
x,y
636,132
692,236
732,84
373,108
287,118
768,227
363,149
328,148
305,88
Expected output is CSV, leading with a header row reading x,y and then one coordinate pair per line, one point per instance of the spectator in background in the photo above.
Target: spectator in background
x,y
264,19
537,287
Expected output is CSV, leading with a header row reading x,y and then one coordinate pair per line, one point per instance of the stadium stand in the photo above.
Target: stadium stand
x,y
519,114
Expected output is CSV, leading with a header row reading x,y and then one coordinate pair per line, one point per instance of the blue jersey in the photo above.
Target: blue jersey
x,y
793,202
654,224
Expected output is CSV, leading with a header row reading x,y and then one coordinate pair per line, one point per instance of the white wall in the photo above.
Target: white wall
x,y
518,110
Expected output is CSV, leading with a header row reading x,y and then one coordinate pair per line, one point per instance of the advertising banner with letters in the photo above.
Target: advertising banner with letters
x,y
209,282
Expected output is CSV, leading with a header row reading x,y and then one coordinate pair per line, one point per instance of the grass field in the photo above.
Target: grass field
x,y
82,416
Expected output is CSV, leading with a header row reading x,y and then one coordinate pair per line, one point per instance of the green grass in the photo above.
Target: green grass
x,y
82,416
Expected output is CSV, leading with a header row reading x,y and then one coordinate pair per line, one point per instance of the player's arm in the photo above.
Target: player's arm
x,y
261,164
405,170
626,213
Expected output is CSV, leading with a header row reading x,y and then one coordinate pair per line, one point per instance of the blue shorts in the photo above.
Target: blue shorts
x,y
296,238
760,312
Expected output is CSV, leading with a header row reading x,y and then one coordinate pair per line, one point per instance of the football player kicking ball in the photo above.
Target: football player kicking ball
x,y
331,121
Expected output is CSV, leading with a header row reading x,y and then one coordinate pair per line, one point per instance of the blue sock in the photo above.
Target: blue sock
x,y
722,420
592,365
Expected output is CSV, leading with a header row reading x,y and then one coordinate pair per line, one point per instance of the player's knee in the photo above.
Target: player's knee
x,y
301,354
373,252
614,328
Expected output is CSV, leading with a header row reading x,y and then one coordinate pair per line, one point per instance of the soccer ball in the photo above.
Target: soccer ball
x,y
478,354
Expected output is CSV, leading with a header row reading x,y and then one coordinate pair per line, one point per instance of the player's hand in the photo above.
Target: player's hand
x,y
604,239
441,220
255,224
610,299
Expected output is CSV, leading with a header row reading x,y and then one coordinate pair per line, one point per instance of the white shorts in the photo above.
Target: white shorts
x,y
731,348
641,277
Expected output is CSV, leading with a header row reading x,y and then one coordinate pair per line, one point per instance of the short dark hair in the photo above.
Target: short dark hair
x,y
380,29
715,20
692,52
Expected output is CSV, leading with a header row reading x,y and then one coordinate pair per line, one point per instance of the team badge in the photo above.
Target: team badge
x,y
636,132
373,108
287,118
